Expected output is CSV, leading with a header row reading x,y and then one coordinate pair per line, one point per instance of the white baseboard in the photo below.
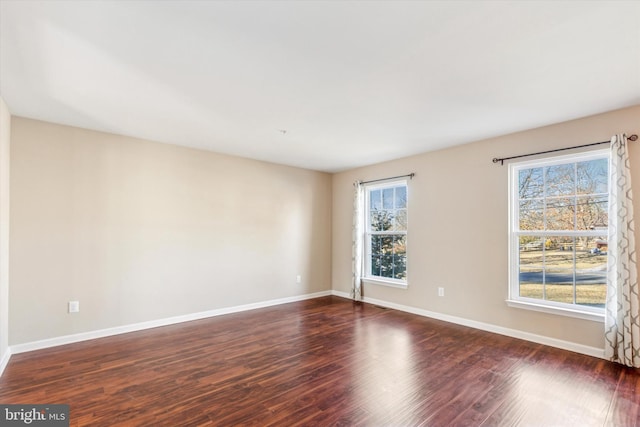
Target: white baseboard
x,y
5,360
84,336
69,339
527,336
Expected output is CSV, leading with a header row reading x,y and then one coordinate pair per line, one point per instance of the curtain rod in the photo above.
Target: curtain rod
x,y
501,160
410,176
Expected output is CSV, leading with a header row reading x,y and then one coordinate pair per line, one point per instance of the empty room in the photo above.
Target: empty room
x,y
319,213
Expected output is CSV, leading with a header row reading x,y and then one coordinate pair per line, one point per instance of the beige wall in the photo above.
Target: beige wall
x,y
138,230
458,226
5,135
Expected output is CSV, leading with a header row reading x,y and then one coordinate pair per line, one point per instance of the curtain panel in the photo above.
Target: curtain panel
x,y
357,236
622,313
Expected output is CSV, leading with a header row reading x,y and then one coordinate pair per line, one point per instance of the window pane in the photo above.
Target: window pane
x,y
593,176
591,271
376,244
559,252
531,247
592,212
401,197
590,291
400,258
530,183
375,265
531,214
558,285
559,247
560,213
386,255
531,271
401,220
381,220
560,180
531,282
558,269
375,199
387,198
376,249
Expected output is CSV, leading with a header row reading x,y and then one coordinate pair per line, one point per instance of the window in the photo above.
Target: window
x,y
558,234
386,233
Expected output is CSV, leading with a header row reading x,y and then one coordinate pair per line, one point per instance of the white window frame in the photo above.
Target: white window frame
x,y
514,298
367,277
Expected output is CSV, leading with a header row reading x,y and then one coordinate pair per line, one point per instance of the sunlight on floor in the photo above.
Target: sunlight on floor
x,y
540,391
385,375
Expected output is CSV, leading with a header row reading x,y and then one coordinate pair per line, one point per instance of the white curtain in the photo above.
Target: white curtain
x,y
622,314
356,249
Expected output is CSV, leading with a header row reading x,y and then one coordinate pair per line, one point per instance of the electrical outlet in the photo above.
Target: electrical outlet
x,y
440,291
74,306
298,279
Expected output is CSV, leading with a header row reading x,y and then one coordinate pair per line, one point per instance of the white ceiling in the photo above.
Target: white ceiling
x,y
352,83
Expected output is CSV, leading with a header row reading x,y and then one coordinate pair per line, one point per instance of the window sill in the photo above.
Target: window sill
x,y
586,315
390,282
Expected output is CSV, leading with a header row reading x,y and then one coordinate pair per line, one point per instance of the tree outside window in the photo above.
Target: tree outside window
x,y
386,231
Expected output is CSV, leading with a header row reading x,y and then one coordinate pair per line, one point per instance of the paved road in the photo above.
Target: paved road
x,y
588,278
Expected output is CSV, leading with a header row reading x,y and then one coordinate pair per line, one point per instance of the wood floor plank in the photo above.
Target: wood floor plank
x,y
624,410
325,362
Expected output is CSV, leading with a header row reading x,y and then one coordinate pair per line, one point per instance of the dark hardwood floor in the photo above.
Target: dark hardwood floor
x,y
323,362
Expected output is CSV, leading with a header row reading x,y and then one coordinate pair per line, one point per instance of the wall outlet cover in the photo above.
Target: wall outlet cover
x,y
74,306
